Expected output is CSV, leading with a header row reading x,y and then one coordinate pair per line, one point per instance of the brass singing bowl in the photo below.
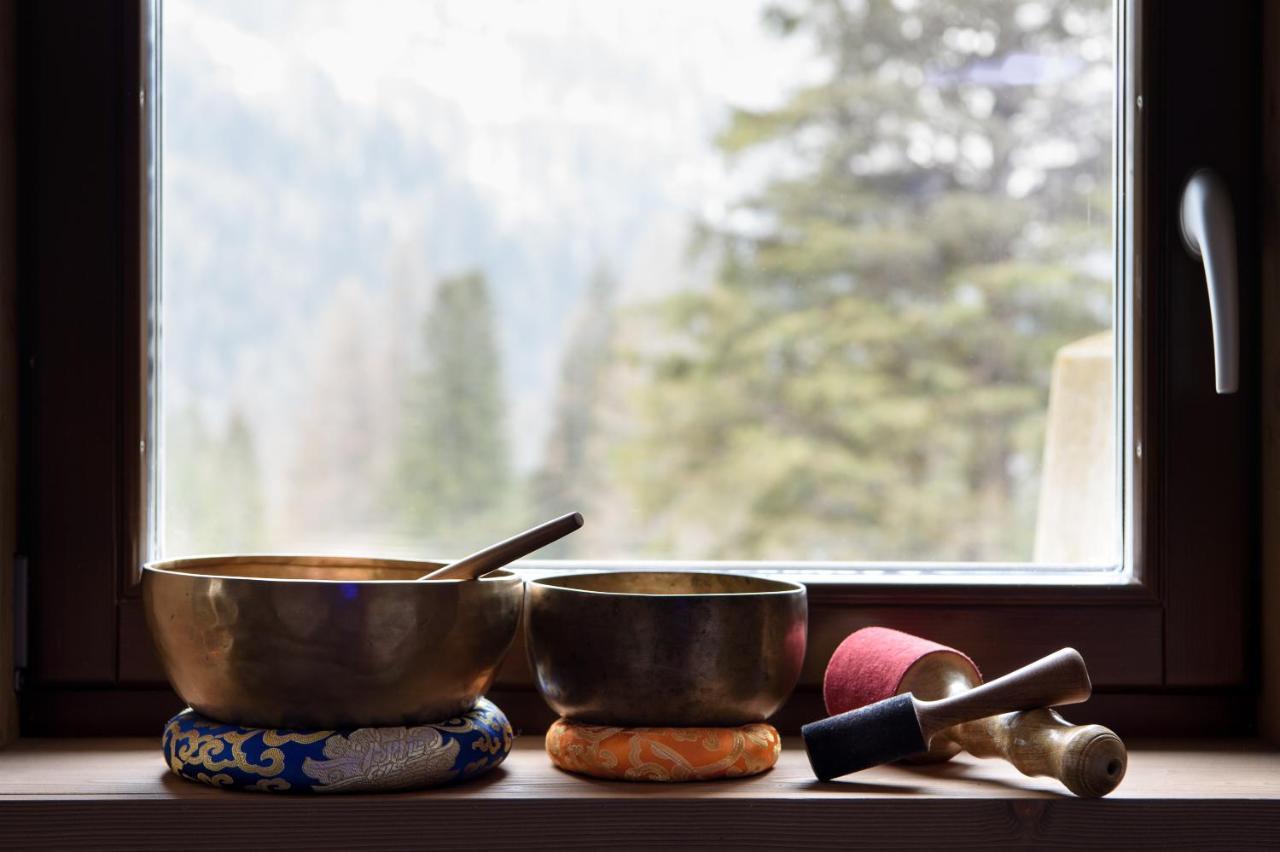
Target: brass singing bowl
x,y
665,648
327,642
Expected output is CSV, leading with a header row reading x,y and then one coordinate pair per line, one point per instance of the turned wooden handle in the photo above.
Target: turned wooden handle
x,y
1060,678
497,555
1089,760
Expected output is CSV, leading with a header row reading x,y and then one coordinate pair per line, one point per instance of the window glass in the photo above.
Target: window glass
x,y
737,280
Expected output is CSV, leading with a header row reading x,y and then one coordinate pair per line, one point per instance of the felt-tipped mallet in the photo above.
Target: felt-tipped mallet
x,y
903,725
875,663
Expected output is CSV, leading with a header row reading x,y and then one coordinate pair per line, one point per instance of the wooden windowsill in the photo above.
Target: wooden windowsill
x,y
117,793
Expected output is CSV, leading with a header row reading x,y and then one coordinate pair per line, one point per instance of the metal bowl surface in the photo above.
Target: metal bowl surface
x,y
327,642
677,648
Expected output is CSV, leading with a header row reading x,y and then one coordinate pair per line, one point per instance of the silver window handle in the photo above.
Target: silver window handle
x,y
1209,233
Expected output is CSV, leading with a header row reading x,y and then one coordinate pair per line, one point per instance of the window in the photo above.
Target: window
x,y
1168,641
740,281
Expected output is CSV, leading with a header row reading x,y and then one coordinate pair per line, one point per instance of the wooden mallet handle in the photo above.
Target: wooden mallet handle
x,y
1060,678
505,552
1089,760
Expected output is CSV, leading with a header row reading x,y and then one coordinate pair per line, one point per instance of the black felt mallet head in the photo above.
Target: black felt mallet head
x,y
902,726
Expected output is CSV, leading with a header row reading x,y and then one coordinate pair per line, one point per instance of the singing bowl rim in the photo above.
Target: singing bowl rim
x,y
188,566
783,587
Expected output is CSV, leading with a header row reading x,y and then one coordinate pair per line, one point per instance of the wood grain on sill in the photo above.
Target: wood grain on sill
x,y
117,793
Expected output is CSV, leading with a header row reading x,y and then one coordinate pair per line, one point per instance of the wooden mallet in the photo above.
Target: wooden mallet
x,y
495,556
875,663
903,725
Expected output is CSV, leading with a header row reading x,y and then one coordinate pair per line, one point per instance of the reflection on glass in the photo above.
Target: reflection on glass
x,y
736,280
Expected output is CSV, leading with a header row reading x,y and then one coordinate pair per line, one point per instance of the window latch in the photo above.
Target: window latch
x,y
1209,233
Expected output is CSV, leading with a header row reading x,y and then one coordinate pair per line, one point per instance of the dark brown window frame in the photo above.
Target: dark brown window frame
x,y
1173,647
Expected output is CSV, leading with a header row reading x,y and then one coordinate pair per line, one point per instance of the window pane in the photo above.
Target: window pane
x,y
737,280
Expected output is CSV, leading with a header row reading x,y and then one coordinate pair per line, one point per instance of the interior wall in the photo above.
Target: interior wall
x,y
8,359
1269,712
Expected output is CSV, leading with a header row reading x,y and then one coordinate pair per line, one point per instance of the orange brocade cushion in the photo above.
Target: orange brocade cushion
x,y
663,754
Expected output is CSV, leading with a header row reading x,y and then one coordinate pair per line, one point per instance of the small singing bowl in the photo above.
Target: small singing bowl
x,y
665,648
327,642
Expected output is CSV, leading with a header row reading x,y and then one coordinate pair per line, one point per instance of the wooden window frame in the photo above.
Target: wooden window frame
x,y
1171,651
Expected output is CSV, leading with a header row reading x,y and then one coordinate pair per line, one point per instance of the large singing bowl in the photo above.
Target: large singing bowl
x,y
665,648
324,642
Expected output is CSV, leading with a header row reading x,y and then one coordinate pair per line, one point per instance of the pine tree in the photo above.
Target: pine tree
x,y
240,504
868,376
452,473
333,477
187,447
214,500
569,478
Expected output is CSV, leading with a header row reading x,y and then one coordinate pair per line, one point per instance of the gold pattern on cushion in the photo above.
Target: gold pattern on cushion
x,y
663,754
211,752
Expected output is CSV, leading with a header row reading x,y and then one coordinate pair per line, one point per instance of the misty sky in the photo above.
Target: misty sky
x,y
311,148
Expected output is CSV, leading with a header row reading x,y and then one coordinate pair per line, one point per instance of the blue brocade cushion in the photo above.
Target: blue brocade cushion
x,y
353,760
